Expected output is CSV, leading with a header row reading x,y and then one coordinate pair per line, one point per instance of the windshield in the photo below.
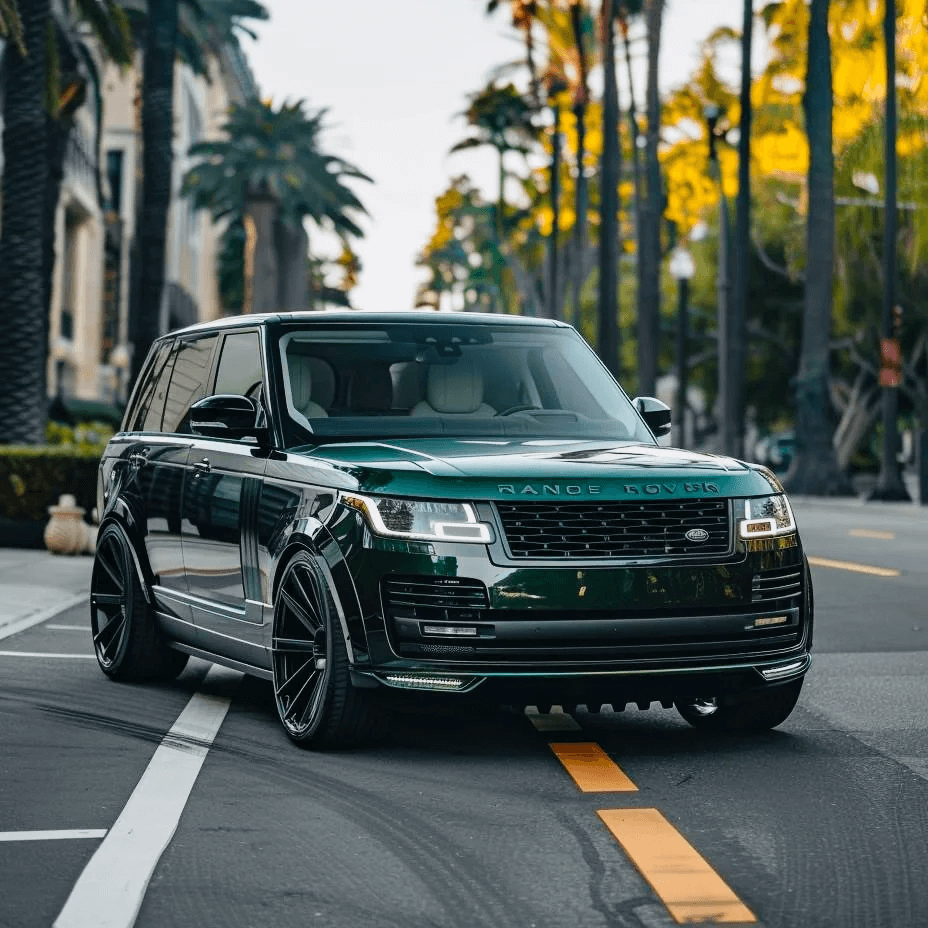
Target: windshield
x,y
428,379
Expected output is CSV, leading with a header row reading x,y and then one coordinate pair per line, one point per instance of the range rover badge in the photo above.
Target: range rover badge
x,y
699,535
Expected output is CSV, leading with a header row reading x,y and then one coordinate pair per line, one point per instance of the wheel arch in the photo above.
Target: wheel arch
x,y
120,516
321,546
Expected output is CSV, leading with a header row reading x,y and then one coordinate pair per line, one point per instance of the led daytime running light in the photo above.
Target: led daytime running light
x,y
752,526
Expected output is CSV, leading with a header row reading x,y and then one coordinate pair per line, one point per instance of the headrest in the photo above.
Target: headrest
x,y
301,380
311,379
455,388
371,389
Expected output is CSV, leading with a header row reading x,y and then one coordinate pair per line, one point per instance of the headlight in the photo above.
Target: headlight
x,y
421,519
764,517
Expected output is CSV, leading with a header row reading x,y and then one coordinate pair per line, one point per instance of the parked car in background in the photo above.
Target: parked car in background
x,y
466,506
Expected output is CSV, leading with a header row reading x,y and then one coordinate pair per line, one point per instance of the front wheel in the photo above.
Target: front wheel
x,y
316,703
749,712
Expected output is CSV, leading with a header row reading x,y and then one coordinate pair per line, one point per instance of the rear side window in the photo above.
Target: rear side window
x,y
188,382
148,402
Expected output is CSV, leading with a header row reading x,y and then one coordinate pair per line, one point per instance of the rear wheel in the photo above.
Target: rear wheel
x,y
127,640
316,703
752,712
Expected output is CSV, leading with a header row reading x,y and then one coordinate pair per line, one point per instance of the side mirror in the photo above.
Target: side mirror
x,y
656,414
226,416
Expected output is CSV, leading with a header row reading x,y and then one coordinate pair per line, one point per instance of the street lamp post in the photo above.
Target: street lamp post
x,y
682,269
726,424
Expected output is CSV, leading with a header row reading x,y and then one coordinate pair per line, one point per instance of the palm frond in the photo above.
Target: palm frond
x,y
10,25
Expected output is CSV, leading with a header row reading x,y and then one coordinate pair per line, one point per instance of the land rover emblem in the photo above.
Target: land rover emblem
x,y
698,535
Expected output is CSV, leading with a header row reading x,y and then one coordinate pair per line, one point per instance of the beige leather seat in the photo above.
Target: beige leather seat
x,y
301,386
454,390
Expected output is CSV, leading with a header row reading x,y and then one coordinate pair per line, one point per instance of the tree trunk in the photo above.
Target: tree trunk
x,y
580,233
608,341
649,256
742,249
57,135
814,469
24,346
553,303
636,158
261,270
292,246
157,170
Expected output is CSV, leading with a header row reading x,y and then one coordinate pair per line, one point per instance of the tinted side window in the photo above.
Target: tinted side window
x,y
239,369
142,397
188,382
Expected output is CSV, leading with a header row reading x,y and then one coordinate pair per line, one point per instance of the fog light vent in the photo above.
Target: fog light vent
x,y
466,631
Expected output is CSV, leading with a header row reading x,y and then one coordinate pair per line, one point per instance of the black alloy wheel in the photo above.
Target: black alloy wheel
x,y
316,702
128,643
756,711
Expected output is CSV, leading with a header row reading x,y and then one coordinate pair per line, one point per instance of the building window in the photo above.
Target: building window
x,y
114,177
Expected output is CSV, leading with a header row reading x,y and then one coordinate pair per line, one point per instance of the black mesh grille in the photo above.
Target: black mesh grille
x,y
782,585
650,528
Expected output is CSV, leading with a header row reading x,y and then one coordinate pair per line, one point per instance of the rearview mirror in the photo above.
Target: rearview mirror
x,y
227,416
655,414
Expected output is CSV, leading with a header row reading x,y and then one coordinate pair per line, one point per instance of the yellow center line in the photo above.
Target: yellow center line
x,y
856,568
684,881
871,533
592,769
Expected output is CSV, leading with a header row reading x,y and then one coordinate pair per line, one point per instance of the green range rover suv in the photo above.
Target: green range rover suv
x,y
350,504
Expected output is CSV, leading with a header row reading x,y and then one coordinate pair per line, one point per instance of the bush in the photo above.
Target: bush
x,y
32,479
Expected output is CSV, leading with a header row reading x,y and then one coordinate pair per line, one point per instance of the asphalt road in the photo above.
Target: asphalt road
x,y
451,820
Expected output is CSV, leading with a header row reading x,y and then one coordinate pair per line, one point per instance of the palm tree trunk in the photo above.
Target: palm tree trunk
x,y
261,268
553,267
649,299
157,172
292,246
57,135
581,202
742,249
814,469
609,201
24,346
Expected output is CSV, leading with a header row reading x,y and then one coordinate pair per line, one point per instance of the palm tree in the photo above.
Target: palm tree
x,y
649,235
23,347
270,174
10,25
814,469
610,171
206,23
523,19
501,118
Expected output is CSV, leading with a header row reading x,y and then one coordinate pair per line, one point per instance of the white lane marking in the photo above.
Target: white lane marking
x,y
53,835
83,657
43,615
109,893
69,628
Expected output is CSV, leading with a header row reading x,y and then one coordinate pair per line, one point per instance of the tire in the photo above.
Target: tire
x,y
316,702
754,712
129,645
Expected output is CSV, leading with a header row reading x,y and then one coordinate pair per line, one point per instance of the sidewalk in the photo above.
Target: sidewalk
x,y
34,585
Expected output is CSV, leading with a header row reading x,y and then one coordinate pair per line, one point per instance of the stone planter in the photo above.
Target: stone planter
x,y
66,532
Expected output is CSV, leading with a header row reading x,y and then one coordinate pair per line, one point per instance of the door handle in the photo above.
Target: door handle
x,y
201,467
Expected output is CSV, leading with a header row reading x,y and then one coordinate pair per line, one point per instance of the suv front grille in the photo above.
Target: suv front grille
x,y
649,528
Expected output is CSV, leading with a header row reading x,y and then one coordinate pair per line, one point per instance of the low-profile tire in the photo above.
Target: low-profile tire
x,y
129,645
316,702
759,710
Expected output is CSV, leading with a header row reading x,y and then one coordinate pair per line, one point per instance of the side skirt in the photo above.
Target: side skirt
x,y
224,661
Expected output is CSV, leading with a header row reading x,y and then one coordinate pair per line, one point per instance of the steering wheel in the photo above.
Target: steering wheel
x,y
519,407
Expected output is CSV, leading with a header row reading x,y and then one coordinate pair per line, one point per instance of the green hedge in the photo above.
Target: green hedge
x,y
32,479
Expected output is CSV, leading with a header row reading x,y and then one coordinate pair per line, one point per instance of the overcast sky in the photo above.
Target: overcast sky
x,y
394,75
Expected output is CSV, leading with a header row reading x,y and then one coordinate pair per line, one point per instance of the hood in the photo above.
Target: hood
x,y
474,469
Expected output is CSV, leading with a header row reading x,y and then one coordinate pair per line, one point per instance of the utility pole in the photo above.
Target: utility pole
x,y
889,484
723,288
